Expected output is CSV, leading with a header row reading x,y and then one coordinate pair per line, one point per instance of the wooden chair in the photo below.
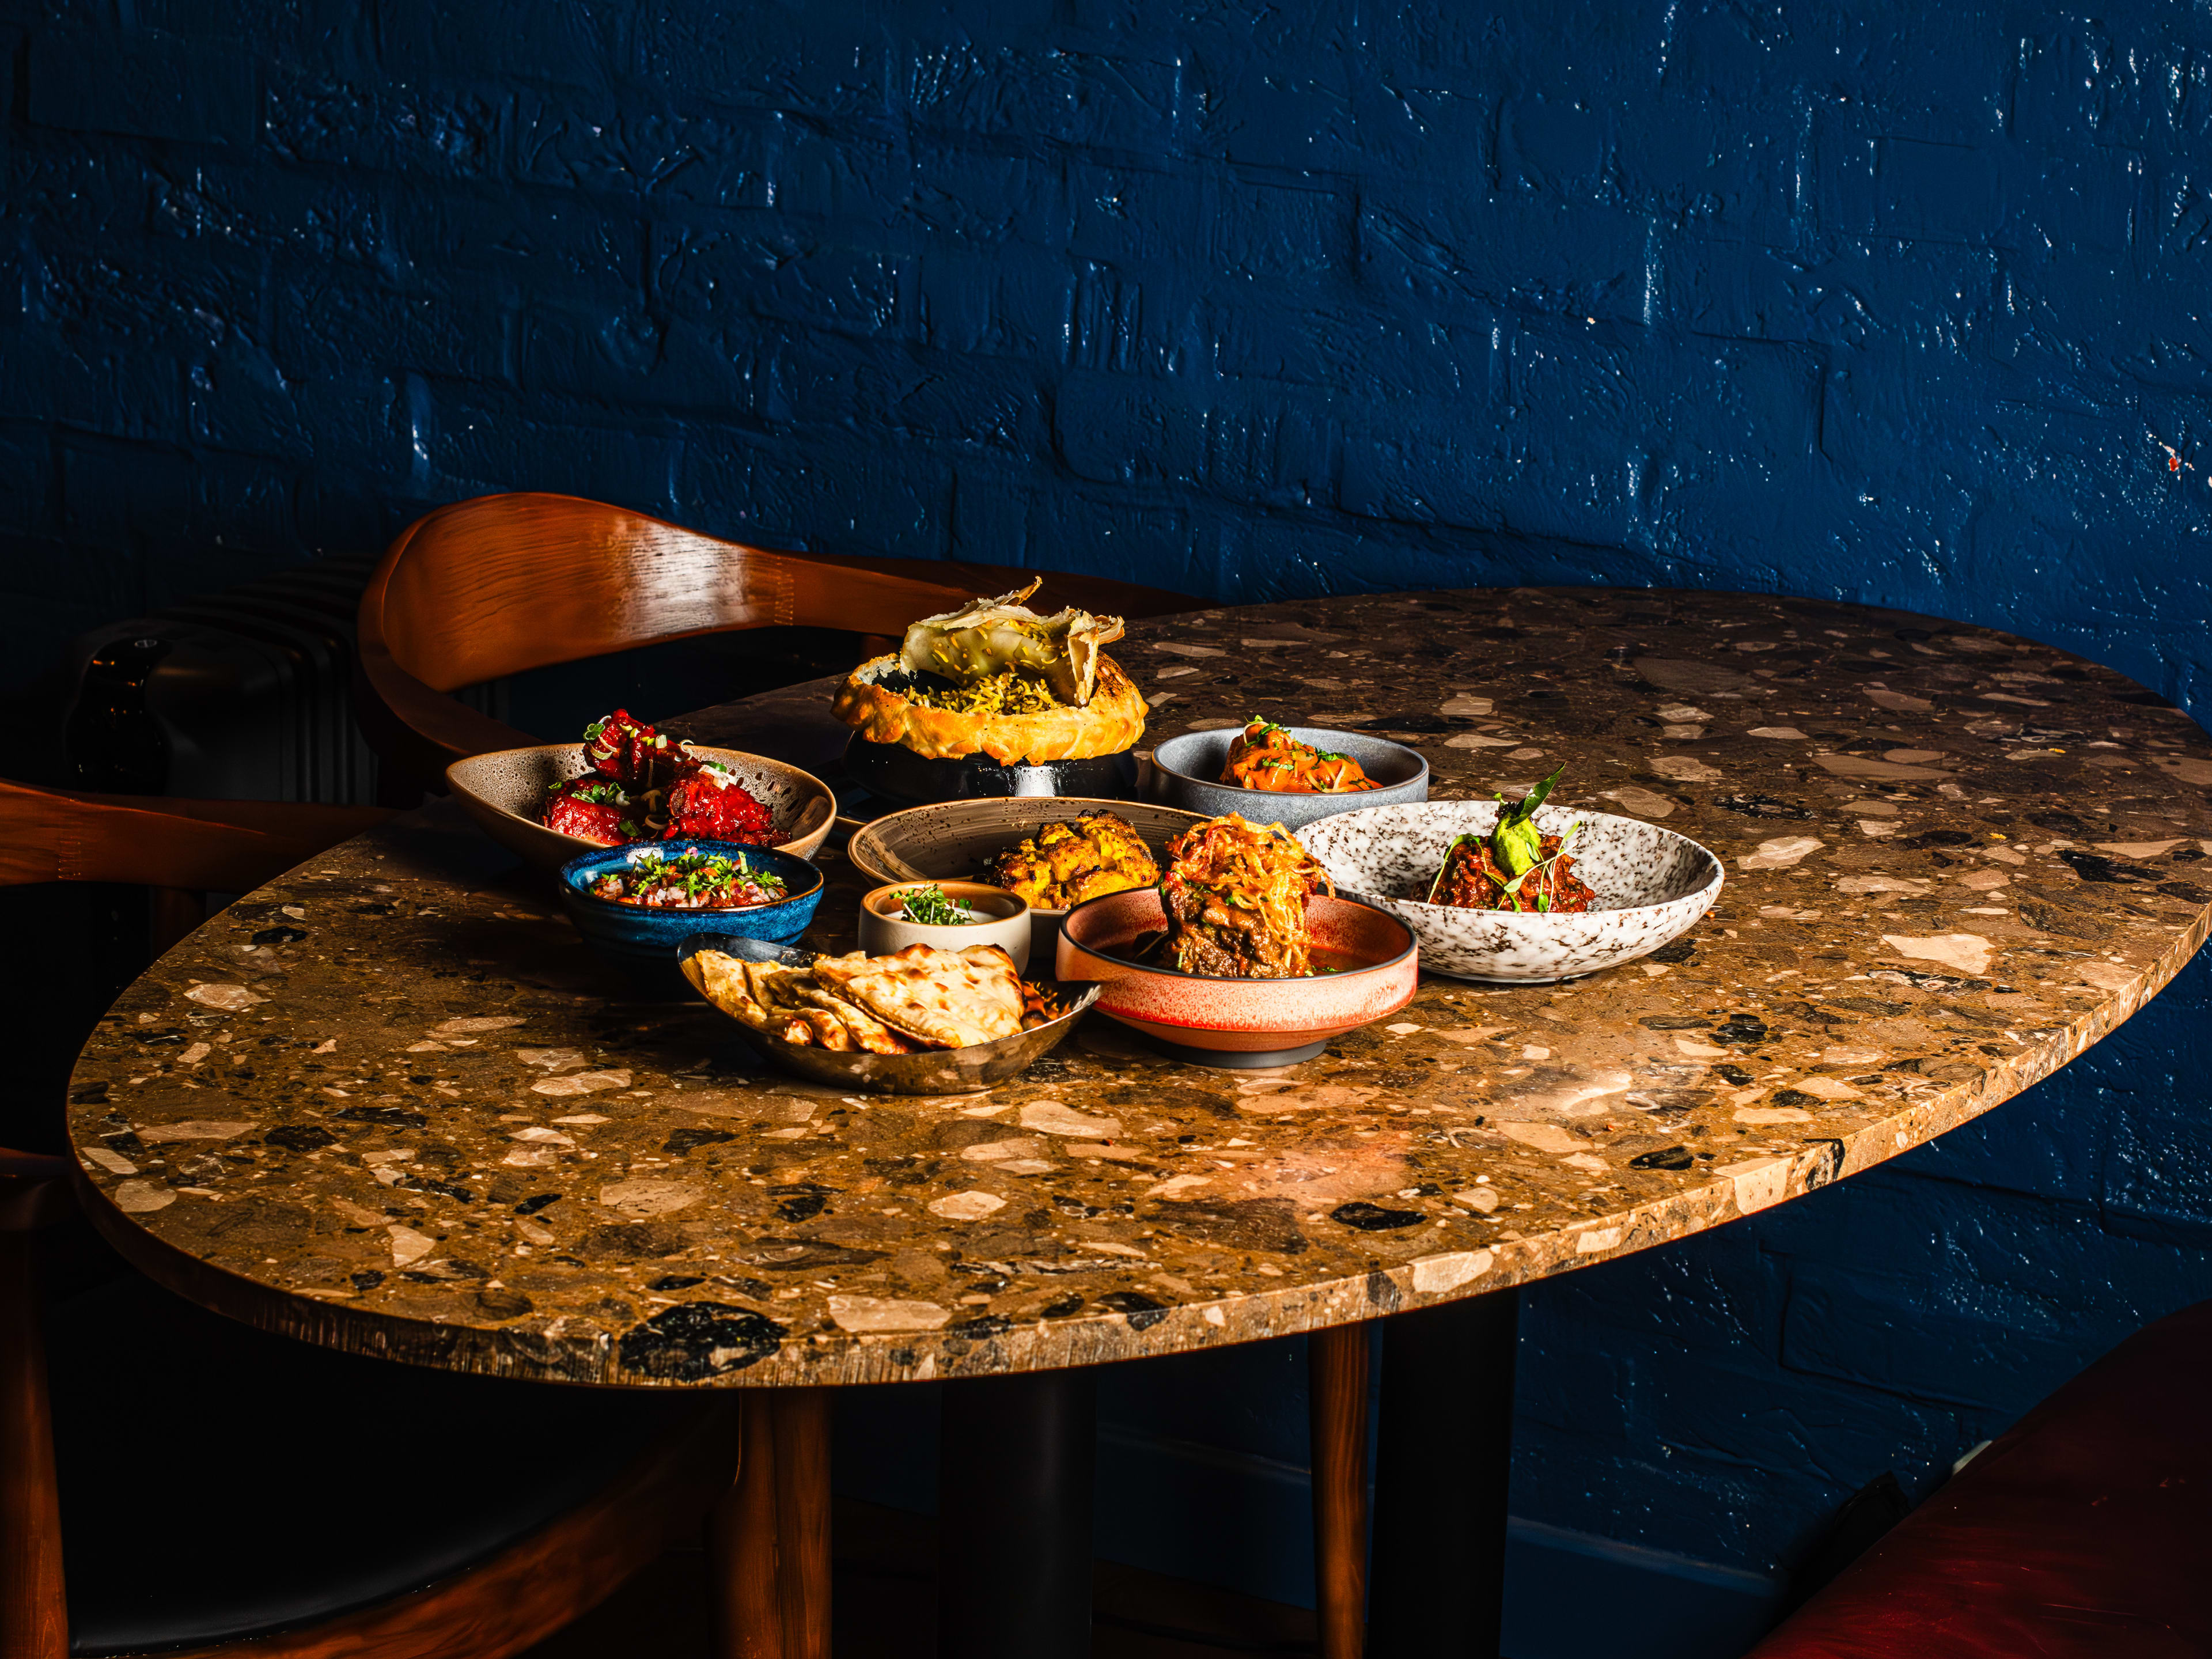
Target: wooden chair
x,y
500,584
224,1492
179,849
2082,1533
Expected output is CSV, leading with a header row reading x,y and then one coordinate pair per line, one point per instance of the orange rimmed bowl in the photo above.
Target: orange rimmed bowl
x,y
1242,1023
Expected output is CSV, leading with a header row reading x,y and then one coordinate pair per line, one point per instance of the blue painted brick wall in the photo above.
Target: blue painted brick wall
x,y
1893,302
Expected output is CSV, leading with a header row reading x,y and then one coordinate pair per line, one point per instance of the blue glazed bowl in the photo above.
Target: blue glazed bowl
x,y
645,941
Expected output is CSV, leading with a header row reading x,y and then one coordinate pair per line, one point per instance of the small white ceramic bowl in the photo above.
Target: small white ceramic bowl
x,y
1002,919
1652,886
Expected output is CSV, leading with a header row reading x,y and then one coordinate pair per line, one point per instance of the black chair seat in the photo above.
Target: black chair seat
x,y
218,1482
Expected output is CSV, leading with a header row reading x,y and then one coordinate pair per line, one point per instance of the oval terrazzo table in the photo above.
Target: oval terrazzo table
x,y
388,1104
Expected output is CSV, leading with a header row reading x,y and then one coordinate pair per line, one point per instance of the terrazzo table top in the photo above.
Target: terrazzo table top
x,y
390,1103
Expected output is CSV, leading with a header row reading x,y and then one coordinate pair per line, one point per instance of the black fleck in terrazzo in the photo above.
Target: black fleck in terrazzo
x,y
390,1103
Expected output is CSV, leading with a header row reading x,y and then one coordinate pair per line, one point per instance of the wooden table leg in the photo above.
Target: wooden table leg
x,y
802,1510
34,1614
1336,1391
768,1542
172,913
1444,1461
745,1612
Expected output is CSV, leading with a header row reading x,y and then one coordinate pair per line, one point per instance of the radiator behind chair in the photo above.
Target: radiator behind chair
x,y
245,695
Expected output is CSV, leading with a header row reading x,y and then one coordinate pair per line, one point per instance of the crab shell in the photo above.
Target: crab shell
x,y
1110,722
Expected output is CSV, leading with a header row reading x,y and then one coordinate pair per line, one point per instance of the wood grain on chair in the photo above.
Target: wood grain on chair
x,y
156,840
492,586
179,849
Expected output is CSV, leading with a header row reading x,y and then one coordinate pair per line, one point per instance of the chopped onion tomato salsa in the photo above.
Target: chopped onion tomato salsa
x,y
689,881
645,786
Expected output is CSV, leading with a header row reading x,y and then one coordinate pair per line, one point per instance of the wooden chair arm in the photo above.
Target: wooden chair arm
x,y
219,846
34,1190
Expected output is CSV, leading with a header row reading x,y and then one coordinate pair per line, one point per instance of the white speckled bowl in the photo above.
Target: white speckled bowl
x,y
1652,886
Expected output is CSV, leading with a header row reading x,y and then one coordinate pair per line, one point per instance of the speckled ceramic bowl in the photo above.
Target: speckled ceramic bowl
x,y
950,839
644,941
1188,772
1241,1023
1001,919
930,1071
1652,886
504,790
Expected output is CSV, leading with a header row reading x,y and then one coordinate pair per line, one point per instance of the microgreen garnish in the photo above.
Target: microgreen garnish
x,y
930,906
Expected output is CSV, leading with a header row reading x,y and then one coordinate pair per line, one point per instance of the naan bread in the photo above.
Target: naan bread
x,y
829,1030
954,999
727,983
777,986
866,1030
718,978
923,997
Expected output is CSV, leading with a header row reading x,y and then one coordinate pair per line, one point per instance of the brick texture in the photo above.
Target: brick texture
x,y
1892,303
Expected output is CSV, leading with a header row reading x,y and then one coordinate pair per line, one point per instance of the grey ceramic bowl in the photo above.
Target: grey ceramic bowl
x,y
934,1072
1187,770
504,790
1652,886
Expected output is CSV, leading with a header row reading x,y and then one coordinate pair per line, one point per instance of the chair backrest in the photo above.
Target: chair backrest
x,y
218,846
500,584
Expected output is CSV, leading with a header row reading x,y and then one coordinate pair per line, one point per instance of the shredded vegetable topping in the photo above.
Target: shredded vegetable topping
x,y
1236,896
1016,691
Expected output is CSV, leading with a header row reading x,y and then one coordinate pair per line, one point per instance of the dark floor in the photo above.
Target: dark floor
x,y
886,1605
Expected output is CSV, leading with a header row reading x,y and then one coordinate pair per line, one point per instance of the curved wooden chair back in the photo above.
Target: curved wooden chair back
x,y
494,585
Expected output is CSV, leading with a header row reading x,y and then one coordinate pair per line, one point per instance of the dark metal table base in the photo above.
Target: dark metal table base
x,y
1443,1460
1014,1489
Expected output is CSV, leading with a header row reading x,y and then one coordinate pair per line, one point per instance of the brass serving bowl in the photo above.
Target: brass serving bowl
x,y
928,1072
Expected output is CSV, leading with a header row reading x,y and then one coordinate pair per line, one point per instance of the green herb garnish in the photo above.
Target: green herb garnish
x,y
1516,841
929,906
1512,889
